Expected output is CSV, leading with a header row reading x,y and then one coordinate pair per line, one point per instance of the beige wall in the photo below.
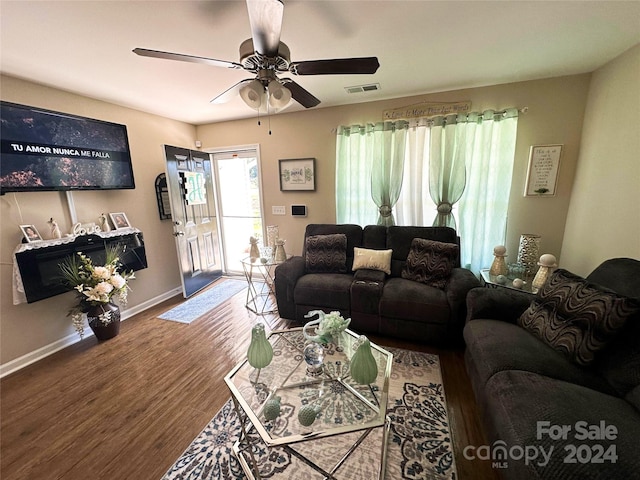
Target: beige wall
x,y
604,213
27,327
556,108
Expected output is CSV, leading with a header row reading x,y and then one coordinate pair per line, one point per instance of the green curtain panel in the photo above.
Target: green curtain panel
x,y
389,141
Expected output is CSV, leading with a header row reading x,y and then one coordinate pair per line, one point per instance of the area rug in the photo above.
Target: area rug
x,y
201,303
419,443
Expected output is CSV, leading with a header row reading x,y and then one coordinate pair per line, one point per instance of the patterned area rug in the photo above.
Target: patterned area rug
x,y
201,303
419,444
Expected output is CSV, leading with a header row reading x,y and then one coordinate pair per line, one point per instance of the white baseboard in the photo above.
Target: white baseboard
x,y
39,354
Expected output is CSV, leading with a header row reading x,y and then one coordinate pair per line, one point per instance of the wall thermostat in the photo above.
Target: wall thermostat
x,y
298,210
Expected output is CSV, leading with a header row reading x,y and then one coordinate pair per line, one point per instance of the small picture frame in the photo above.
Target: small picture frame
x,y
542,173
30,233
297,174
119,220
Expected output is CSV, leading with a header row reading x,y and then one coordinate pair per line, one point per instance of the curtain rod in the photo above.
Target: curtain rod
x,y
522,110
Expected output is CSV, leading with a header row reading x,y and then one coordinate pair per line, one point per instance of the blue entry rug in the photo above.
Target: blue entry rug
x,y
419,443
202,302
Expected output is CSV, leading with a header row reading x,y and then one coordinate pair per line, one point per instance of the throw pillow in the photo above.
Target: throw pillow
x,y
577,317
372,259
430,262
326,253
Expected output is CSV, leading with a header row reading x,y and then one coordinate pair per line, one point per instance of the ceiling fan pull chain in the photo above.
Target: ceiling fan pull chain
x,y
268,111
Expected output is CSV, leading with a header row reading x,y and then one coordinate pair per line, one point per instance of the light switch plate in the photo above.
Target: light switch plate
x,y
278,210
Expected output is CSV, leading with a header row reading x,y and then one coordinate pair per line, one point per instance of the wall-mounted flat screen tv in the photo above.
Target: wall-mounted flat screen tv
x,y
46,150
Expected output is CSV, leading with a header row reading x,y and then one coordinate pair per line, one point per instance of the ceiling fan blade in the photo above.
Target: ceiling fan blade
x,y
299,94
230,93
338,66
185,58
265,18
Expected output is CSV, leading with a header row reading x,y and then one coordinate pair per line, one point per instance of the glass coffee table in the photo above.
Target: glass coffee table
x,y
344,408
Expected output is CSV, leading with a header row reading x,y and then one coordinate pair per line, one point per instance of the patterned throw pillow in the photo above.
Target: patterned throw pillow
x,y
430,262
326,253
372,259
576,317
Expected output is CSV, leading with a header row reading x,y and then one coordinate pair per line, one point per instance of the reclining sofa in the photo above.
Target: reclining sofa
x,y
398,281
560,372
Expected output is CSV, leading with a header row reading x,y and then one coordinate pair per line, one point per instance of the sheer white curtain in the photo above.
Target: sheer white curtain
x,y
484,205
415,207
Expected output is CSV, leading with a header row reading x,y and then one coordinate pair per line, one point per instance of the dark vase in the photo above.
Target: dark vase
x,y
104,320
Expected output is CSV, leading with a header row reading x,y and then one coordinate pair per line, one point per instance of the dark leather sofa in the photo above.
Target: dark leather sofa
x,y
532,395
377,302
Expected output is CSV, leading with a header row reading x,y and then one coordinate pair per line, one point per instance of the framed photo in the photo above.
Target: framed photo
x,y
542,173
297,174
30,233
119,220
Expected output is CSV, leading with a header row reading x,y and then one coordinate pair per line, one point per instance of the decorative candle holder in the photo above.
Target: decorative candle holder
x,y
528,253
272,236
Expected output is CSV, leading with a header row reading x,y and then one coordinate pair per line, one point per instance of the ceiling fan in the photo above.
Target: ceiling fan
x,y
266,56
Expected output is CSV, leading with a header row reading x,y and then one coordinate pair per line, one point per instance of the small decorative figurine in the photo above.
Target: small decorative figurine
x,y
313,356
272,408
260,352
364,369
307,415
280,255
254,252
499,266
547,263
103,223
518,283
55,229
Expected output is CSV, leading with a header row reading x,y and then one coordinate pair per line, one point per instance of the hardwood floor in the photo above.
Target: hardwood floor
x,y
127,408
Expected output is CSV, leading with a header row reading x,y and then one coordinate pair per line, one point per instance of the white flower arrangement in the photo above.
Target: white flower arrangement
x,y
95,285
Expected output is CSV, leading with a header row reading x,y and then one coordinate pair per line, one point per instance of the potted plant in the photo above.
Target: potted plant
x,y
96,287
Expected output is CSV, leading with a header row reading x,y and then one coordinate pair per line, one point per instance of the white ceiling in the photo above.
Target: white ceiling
x,y
423,46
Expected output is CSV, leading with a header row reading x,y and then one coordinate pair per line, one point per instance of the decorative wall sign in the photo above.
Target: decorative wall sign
x,y
297,174
195,192
542,174
426,109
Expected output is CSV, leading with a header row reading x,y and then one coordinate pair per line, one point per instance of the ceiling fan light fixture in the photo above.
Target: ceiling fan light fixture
x,y
279,95
252,94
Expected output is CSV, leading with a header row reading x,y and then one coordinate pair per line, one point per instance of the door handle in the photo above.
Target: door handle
x,y
178,222
178,234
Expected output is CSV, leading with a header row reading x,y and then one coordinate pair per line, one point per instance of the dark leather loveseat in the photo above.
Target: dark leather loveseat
x,y
569,387
379,302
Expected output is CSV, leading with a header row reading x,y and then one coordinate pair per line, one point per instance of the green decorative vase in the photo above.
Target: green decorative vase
x,y
260,352
364,369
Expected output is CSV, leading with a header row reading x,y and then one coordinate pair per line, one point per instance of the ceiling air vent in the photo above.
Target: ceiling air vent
x,y
363,88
